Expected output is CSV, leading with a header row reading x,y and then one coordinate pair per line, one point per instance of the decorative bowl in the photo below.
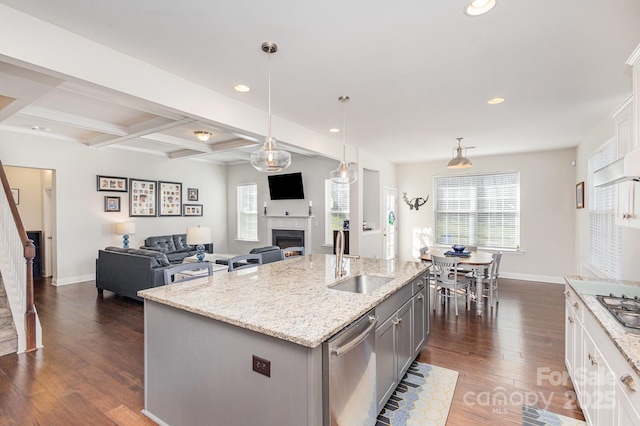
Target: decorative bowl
x,y
458,248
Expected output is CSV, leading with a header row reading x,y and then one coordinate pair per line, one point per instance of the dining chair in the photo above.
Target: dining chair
x,y
291,252
243,261
448,284
206,269
489,279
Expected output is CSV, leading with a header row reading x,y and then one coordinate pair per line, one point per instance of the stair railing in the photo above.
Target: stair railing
x,y
20,252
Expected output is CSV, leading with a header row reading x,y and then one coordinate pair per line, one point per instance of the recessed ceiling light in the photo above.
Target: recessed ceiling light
x,y
242,88
479,7
334,130
494,101
40,128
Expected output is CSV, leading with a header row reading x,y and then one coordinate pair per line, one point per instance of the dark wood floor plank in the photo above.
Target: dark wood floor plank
x,y
499,355
91,370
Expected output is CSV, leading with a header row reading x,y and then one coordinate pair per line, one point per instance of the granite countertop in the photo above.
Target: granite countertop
x,y
587,288
289,300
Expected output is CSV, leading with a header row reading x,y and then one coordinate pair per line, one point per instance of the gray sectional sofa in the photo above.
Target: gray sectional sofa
x,y
126,271
174,246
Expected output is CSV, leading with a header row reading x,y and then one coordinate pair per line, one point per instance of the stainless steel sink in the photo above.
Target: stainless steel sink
x,y
362,284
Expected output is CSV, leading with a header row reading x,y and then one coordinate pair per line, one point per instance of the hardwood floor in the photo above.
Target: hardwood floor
x,y
91,368
511,355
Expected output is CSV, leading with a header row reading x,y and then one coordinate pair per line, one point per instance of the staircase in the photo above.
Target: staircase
x,y
8,335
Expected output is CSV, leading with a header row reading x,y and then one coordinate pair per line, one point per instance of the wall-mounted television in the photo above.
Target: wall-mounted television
x,y
286,187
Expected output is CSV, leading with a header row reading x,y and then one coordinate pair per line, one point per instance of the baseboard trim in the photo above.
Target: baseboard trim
x,y
530,277
73,280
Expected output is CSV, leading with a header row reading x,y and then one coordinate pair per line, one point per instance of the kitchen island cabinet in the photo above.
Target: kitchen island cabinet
x,y
205,338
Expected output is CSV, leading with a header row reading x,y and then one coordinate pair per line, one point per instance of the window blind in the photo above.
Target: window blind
x,y
247,212
605,248
482,210
336,209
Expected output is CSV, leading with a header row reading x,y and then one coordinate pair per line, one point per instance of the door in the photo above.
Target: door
x,y
386,380
47,227
390,228
404,346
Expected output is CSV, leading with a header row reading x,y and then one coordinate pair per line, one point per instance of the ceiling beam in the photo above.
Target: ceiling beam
x,y
74,120
157,124
218,147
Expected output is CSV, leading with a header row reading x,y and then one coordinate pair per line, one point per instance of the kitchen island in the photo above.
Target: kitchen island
x,y
205,338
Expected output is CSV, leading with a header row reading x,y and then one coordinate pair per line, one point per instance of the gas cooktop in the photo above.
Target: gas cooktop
x,y
625,309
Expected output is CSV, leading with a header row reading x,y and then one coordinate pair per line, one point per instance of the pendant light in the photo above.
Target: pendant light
x,y
269,158
344,174
459,161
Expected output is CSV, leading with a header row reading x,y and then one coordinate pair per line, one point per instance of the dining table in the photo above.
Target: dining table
x,y
476,260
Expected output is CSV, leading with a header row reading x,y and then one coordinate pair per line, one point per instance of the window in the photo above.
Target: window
x,y
604,235
336,208
248,212
482,210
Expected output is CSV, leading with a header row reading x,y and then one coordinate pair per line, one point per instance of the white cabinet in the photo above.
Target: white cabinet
x,y
626,142
603,379
634,61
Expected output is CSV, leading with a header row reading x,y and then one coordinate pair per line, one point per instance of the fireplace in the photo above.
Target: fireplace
x,y
289,231
284,238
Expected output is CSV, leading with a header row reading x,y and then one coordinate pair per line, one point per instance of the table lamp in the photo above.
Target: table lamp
x,y
199,236
124,229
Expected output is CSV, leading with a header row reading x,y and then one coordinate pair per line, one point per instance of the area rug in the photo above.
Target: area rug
x,y
537,417
422,398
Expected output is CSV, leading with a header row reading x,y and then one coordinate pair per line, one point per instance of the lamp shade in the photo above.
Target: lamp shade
x,y
198,235
125,228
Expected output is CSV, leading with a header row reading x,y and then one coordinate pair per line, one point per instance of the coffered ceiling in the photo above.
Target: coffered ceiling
x,y
419,73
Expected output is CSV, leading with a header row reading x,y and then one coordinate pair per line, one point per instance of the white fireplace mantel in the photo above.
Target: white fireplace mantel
x,y
300,223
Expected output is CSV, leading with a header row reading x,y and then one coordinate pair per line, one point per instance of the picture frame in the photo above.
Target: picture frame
x,y
580,195
170,198
192,194
111,204
142,198
15,192
112,184
192,210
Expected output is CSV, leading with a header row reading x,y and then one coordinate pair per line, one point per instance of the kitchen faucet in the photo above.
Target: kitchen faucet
x,y
340,271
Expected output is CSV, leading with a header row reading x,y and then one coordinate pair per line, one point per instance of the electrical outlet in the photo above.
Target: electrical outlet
x,y
262,366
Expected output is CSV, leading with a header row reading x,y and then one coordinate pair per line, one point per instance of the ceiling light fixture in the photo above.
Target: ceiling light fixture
x,y
269,158
459,161
334,130
479,7
202,135
495,101
344,174
242,88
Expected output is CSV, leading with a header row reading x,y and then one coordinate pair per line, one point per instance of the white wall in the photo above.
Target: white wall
x,y
603,132
547,206
29,183
314,172
82,225
370,244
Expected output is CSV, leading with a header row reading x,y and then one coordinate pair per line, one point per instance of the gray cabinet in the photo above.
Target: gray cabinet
x,y
386,373
420,320
404,344
400,335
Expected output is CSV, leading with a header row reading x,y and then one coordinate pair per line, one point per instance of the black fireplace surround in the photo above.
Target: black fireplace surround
x,y
284,238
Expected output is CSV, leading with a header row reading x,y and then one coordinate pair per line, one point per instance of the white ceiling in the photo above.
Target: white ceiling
x,y
419,73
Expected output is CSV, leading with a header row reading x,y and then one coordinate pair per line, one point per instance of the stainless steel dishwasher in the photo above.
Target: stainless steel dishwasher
x,y
349,374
